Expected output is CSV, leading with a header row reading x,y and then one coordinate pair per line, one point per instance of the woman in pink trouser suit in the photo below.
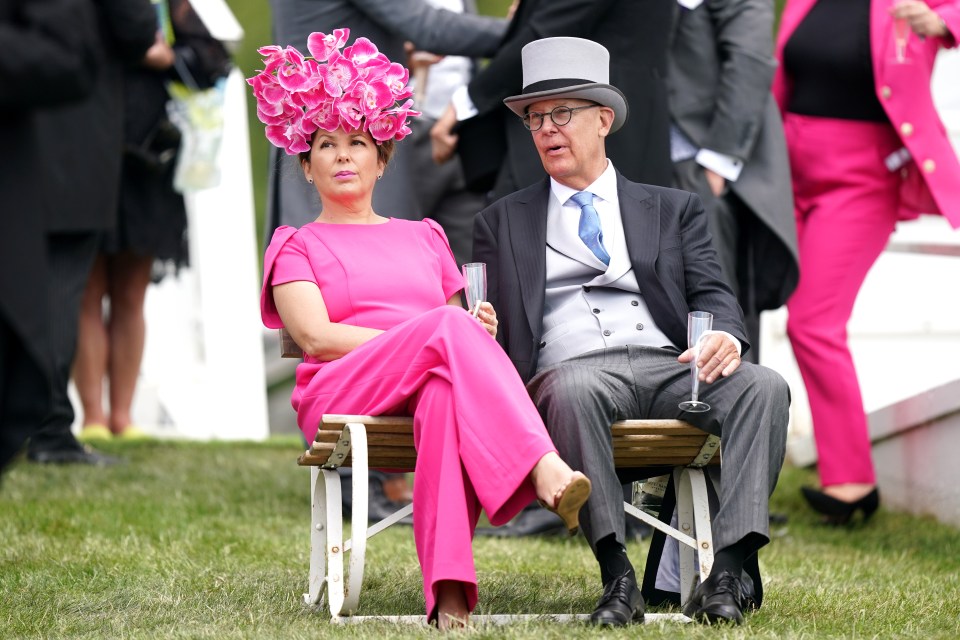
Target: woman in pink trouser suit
x,y
860,163
374,302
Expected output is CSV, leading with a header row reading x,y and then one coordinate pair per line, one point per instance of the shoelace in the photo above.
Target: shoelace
x,y
728,582
618,588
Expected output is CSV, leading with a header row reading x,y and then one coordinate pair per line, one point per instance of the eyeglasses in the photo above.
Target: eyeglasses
x,y
560,115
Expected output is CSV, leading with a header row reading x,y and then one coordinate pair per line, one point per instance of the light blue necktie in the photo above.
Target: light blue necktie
x,y
590,231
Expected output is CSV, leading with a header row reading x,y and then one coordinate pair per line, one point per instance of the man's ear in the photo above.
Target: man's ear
x,y
606,120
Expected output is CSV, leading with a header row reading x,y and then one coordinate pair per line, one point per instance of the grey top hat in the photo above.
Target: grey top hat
x,y
568,68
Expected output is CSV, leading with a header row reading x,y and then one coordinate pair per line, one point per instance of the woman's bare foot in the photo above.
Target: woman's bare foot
x,y
560,489
452,612
848,492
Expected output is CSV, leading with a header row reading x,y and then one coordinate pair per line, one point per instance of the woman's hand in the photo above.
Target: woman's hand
x,y
922,19
442,138
160,55
488,318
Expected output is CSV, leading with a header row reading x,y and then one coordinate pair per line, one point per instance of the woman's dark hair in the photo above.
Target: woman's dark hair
x,y
385,151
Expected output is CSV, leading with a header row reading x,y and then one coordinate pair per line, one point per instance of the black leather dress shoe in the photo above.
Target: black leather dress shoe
x,y
81,455
719,599
620,604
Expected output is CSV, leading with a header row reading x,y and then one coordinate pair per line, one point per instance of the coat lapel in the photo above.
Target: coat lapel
x,y
641,226
641,213
527,221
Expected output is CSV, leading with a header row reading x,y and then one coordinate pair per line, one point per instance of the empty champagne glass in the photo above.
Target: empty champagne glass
x,y
698,322
475,285
901,35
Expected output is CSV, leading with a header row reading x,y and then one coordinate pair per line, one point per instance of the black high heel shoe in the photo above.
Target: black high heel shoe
x,y
839,512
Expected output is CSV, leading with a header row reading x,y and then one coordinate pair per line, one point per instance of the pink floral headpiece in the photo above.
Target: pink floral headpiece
x,y
358,88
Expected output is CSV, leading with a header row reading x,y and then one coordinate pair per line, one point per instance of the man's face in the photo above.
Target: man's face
x,y
573,154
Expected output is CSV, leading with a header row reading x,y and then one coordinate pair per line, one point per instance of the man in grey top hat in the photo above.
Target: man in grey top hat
x,y
593,277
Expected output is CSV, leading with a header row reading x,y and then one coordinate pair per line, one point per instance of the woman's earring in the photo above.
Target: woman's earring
x,y
310,180
379,175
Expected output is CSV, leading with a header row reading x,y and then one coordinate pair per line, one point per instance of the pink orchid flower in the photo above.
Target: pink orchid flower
x,y
288,136
338,75
273,56
323,116
365,56
396,77
321,45
296,73
351,111
373,97
386,126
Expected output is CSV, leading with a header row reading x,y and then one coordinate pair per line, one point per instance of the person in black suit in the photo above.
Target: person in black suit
x,y
593,276
50,58
81,198
495,148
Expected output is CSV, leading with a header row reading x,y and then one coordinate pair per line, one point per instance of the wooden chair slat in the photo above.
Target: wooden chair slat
x,y
370,421
324,439
654,427
655,440
288,347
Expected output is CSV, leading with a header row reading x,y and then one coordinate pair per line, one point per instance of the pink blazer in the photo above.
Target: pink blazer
x,y
932,180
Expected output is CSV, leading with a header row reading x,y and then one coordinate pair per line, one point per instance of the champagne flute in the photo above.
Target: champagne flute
x,y
475,285
901,35
698,323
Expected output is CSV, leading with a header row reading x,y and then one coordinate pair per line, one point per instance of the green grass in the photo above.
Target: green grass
x,y
197,540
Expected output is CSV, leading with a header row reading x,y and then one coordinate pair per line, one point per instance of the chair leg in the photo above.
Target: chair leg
x,y
358,518
685,523
334,547
693,514
326,522
702,521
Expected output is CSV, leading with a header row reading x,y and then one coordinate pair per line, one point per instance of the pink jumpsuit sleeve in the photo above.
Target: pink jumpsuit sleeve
x,y
285,261
451,277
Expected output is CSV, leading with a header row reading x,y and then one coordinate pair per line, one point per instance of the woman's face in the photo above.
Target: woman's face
x,y
344,165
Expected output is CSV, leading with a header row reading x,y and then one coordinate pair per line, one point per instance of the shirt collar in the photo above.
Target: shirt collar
x,y
604,187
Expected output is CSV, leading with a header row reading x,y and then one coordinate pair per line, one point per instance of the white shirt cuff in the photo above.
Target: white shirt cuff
x,y
720,163
735,341
462,103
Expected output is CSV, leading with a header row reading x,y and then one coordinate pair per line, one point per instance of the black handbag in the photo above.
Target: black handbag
x,y
158,151
201,59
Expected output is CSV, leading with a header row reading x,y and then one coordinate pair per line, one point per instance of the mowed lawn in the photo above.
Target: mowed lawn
x,y
207,540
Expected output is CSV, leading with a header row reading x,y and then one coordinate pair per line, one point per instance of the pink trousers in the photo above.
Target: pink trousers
x,y
476,431
846,209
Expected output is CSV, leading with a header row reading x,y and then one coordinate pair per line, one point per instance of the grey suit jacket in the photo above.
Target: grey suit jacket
x,y
719,75
670,249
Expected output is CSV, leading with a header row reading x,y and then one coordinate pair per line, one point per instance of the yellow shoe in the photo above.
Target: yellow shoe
x,y
95,432
132,432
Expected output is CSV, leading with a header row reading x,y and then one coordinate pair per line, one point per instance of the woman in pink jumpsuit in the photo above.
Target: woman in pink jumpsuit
x,y
867,149
374,302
